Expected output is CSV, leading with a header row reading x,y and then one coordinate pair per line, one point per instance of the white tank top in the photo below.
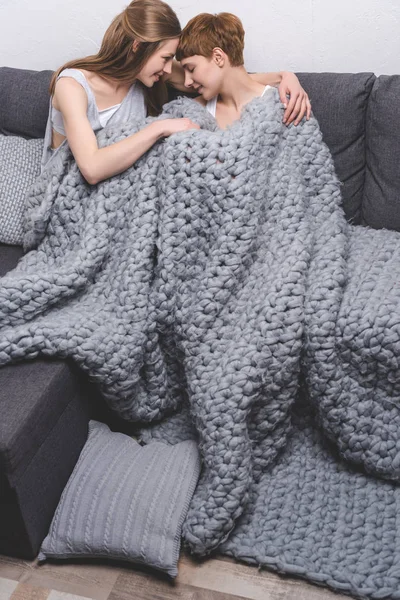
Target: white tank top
x,y
133,106
211,105
104,116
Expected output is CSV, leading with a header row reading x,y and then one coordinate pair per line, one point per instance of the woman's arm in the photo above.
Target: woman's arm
x,y
298,105
268,78
97,163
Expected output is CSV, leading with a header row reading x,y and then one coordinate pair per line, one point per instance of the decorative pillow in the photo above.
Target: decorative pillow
x,y
125,501
19,167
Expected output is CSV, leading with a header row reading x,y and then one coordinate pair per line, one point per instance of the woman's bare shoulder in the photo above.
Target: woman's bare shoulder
x,y
67,88
90,77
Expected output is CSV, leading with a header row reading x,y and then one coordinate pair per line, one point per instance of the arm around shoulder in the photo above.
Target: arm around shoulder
x,y
273,79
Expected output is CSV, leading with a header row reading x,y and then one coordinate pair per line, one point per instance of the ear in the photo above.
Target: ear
x,y
219,57
135,45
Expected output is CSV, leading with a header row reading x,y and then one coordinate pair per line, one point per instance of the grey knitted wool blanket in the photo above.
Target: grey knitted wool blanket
x,y
204,283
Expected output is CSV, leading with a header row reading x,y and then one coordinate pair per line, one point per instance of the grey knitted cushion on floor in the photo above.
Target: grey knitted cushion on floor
x,y
125,501
19,167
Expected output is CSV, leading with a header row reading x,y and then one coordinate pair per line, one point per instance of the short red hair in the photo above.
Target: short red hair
x,y
205,32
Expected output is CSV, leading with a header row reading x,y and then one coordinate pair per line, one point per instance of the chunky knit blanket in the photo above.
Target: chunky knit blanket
x,y
205,289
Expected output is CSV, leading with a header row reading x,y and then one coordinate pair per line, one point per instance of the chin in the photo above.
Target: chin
x,y
209,94
147,81
206,95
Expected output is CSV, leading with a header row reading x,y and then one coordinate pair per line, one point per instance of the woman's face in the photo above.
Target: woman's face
x,y
203,75
159,63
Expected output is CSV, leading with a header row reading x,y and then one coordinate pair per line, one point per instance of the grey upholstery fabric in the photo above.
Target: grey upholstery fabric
x,y
9,257
381,204
124,501
339,102
33,395
29,495
19,167
24,102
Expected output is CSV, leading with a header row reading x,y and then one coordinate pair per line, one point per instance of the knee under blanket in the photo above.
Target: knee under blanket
x,y
208,280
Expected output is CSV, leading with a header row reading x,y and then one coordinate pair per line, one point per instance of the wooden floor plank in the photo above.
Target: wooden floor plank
x,y
54,595
209,579
90,580
13,568
152,586
201,594
29,592
144,586
231,577
7,586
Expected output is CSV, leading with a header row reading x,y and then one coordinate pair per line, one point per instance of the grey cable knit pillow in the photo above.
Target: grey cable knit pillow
x,y
19,167
125,501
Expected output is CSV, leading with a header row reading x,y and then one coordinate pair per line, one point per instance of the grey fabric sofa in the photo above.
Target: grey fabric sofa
x,y
45,405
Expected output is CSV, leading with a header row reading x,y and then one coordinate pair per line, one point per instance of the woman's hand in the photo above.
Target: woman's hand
x,y
171,126
298,105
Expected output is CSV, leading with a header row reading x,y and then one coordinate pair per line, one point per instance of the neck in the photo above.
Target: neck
x,y
238,88
115,83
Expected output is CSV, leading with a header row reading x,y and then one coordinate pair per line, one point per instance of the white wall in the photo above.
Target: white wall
x,y
308,35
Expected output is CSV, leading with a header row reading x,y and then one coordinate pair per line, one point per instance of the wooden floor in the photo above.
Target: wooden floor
x,y
212,579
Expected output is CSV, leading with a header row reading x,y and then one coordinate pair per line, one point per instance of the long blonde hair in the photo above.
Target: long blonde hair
x,y
149,22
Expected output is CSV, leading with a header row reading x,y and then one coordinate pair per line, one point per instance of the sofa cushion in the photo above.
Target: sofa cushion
x,y
124,501
339,102
33,395
24,102
19,167
28,502
381,204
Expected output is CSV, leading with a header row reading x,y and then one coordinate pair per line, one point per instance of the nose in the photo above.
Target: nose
x,y
168,68
188,79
